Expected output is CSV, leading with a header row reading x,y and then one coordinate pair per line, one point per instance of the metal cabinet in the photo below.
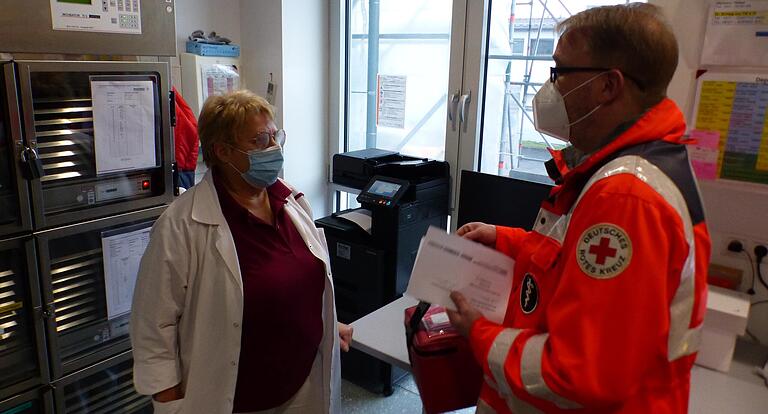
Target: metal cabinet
x,y
23,360
83,326
104,388
36,401
57,106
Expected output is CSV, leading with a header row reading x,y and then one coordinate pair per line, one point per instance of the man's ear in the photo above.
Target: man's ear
x,y
611,86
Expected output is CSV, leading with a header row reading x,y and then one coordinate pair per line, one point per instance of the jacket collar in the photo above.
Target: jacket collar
x,y
205,207
664,121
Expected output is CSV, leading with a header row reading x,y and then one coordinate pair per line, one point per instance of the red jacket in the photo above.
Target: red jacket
x,y
609,288
185,135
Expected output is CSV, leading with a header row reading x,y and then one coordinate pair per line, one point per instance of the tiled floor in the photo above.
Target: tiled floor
x,y
405,400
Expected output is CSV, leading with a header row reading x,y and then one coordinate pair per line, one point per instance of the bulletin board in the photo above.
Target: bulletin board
x,y
732,107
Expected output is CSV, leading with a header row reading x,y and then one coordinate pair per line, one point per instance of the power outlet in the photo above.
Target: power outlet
x,y
748,244
726,241
754,244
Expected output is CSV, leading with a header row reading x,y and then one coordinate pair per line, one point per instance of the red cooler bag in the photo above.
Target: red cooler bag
x,y
443,365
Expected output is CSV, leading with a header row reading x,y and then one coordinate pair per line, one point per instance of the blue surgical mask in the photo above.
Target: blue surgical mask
x,y
264,166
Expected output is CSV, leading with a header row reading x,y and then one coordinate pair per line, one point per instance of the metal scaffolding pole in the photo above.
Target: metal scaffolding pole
x,y
373,71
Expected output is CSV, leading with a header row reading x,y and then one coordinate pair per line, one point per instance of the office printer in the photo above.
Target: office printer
x,y
373,248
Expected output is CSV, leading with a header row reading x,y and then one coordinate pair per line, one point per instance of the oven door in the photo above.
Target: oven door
x,y
14,194
102,131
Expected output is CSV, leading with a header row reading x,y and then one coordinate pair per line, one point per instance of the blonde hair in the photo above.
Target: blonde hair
x,y
634,38
223,118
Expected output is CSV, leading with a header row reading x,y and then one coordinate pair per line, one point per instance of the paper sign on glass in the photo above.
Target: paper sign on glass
x,y
447,262
123,125
122,255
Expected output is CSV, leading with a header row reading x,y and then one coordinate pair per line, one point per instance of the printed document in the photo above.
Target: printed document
x,y
737,34
361,217
446,262
123,125
122,255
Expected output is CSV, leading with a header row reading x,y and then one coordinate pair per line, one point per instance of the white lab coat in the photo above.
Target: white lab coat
x,y
188,306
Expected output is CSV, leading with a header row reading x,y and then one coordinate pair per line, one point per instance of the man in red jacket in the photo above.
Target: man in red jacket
x,y
609,288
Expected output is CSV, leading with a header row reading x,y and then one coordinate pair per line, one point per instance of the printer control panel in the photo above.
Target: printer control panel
x,y
383,191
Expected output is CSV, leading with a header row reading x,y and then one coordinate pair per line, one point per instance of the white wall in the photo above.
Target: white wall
x,y
731,211
305,98
261,22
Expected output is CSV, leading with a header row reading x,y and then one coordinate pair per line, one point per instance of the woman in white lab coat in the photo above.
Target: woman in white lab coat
x,y
233,309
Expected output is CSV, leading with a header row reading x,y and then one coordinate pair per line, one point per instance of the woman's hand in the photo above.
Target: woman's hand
x,y
171,394
479,232
345,334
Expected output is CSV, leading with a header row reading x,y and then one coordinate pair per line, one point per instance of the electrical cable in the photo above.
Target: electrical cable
x,y
751,290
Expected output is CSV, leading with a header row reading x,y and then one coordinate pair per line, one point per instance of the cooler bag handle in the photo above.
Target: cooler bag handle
x,y
413,324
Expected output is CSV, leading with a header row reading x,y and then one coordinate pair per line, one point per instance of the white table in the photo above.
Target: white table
x,y
382,335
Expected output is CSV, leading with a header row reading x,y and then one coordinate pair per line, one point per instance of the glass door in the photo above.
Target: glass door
x,y
520,37
398,66
402,77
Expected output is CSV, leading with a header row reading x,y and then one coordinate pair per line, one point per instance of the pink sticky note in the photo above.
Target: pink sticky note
x,y
704,170
706,139
704,153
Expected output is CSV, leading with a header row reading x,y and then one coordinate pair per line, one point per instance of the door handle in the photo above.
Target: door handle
x,y
464,101
453,103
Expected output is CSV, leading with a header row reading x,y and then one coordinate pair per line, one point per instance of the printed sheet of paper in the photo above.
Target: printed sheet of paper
x,y
123,125
391,101
734,105
737,34
447,262
122,254
704,154
361,217
219,79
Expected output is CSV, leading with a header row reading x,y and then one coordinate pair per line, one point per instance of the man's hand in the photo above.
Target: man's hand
x,y
465,315
171,394
479,232
345,334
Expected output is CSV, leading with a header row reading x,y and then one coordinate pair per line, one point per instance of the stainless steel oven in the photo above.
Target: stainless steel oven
x,y
102,133
88,272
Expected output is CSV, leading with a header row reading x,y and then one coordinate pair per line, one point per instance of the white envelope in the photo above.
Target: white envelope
x,y
446,262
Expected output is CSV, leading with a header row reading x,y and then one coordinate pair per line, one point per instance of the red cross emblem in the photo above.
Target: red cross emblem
x,y
602,251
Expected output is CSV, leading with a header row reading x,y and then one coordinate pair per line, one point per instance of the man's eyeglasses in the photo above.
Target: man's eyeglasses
x,y
554,72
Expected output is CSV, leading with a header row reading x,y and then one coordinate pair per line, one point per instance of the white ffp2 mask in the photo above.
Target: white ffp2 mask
x,y
549,114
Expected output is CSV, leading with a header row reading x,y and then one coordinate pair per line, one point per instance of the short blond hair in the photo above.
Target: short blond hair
x,y
223,118
634,38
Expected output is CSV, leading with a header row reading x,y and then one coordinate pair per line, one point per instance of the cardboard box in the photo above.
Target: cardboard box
x,y
724,322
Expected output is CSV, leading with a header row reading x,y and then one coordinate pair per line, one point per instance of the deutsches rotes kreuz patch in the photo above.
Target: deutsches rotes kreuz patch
x,y
604,251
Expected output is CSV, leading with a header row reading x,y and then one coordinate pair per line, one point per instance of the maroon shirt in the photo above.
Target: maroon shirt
x,y
283,285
